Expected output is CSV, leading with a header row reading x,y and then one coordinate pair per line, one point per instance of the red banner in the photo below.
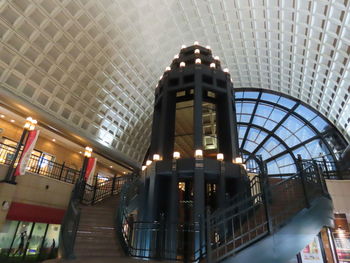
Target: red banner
x,y
90,170
27,151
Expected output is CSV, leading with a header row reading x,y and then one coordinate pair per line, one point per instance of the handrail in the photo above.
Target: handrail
x,y
101,190
40,165
85,194
70,223
247,217
134,234
238,226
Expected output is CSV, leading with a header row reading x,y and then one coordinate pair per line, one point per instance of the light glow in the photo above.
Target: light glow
x,y
156,157
239,160
182,64
176,155
148,162
212,65
198,61
220,156
198,153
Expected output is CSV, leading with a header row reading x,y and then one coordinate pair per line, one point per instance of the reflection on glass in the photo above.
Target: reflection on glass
x,y
21,239
36,240
6,236
29,241
184,142
209,129
51,242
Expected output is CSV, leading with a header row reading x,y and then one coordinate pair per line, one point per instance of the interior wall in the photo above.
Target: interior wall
x,y
340,193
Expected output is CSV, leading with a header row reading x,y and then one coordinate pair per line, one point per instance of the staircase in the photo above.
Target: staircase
x,y
96,232
275,220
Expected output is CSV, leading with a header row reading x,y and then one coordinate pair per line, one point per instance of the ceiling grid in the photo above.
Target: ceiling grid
x,y
94,64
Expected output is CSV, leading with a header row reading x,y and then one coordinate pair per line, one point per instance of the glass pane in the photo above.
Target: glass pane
x,y
251,94
317,148
263,110
286,102
293,124
6,236
305,112
241,131
36,240
305,133
21,239
320,124
248,107
184,129
304,153
270,97
239,95
50,246
209,129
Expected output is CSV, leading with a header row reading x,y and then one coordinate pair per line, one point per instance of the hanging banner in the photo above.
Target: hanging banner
x,y
27,151
90,170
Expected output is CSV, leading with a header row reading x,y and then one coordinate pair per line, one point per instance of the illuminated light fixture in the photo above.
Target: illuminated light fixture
x,y
110,166
160,78
220,156
88,151
176,56
198,61
2,116
226,70
176,155
53,140
80,152
198,153
29,124
156,157
148,162
144,167
212,65
207,47
239,160
167,68
12,121
216,58
197,51
182,64
196,43
183,46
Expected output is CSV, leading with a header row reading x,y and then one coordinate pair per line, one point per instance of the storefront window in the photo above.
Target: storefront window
x,y
6,238
50,245
27,241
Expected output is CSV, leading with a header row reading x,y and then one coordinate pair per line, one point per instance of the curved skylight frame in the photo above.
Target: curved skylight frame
x,y
276,128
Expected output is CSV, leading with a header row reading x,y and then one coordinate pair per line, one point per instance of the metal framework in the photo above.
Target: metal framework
x,y
292,111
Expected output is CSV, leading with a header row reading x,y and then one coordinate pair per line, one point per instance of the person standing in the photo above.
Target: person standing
x,y
20,248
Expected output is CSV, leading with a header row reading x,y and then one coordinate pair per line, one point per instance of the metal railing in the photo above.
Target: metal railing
x,y
149,240
88,195
240,225
101,190
40,165
70,223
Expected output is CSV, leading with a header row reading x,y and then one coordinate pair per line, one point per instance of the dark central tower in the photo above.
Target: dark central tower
x,y
192,162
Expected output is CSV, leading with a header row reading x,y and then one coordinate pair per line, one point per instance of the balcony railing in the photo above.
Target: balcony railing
x,y
40,165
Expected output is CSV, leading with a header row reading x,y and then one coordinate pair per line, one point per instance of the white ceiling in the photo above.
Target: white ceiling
x,y
93,65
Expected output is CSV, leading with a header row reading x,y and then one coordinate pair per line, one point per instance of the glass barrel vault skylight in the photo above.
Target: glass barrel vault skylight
x,y
277,129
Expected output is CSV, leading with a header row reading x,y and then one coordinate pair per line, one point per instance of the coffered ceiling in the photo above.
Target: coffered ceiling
x,y
92,65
